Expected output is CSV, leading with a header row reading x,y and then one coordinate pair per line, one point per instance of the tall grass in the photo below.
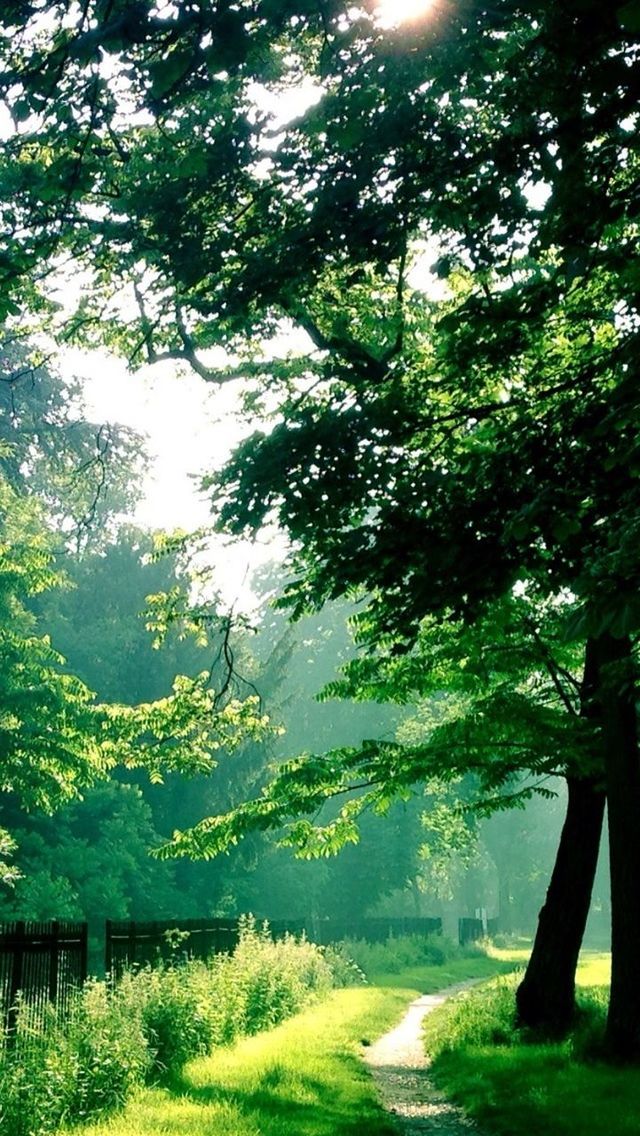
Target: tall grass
x,y
149,1024
514,1084
304,1078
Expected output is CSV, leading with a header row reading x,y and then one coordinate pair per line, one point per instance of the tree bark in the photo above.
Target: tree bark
x,y
622,762
545,999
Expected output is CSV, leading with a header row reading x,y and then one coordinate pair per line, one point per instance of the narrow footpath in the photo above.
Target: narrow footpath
x,y
400,1069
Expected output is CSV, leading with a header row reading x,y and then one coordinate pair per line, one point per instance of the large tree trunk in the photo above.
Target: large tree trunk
x,y
546,996
622,761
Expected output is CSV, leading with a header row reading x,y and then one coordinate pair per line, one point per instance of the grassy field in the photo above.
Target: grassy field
x,y
428,979
304,1078
517,1089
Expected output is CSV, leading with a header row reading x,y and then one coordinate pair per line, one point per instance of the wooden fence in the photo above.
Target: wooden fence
x,y
470,930
131,943
46,961
325,931
42,961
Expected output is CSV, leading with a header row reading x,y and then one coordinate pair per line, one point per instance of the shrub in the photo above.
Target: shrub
x,y
106,1035
406,951
344,969
173,1006
264,982
37,1075
150,1023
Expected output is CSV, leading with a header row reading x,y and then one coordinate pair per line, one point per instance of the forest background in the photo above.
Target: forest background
x,y
462,466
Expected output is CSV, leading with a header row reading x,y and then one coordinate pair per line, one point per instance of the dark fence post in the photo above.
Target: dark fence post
x,y
15,984
83,968
469,930
132,943
108,947
54,960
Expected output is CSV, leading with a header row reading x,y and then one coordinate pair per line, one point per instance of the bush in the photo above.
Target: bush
x,y
173,1006
38,1075
264,982
406,951
149,1024
344,969
106,1036
72,1068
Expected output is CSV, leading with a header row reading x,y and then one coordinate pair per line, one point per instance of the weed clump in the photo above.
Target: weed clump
x,y
479,1017
407,951
146,1026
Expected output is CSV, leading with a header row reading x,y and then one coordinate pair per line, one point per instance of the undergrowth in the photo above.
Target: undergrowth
x,y
408,951
516,1085
145,1027
305,1078
486,1016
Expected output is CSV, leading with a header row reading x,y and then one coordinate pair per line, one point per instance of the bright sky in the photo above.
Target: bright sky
x,y
390,13
187,426
191,428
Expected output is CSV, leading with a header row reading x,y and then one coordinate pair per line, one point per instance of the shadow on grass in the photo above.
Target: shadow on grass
x,y
287,1101
529,1089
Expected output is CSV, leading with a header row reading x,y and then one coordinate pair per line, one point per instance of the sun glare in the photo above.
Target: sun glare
x,y
390,13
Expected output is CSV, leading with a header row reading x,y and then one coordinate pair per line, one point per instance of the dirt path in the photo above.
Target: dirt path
x,y
400,1069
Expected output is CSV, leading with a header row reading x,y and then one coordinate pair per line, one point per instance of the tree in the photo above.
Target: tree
x,y
503,707
55,739
91,861
84,473
430,454
49,730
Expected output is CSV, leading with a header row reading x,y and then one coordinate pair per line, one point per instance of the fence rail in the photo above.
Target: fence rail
x,y
325,931
470,930
43,962
131,942
46,961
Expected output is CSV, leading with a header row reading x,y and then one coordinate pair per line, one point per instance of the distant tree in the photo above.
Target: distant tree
x,y
55,739
50,731
91,861
84,473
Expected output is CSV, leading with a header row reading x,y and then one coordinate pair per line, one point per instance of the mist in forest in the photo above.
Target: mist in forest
x,y
430,855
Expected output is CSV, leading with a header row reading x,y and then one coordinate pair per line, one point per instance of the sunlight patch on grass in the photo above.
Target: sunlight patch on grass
x,y
594,969
428,979
539,1089
518,954
304,1078
515,1088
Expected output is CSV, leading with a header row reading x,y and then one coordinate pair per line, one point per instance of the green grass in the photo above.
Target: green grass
x,y
304,1078
428,979
520,1089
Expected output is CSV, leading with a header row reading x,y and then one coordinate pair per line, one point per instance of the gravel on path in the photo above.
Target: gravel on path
x,y
400,1069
